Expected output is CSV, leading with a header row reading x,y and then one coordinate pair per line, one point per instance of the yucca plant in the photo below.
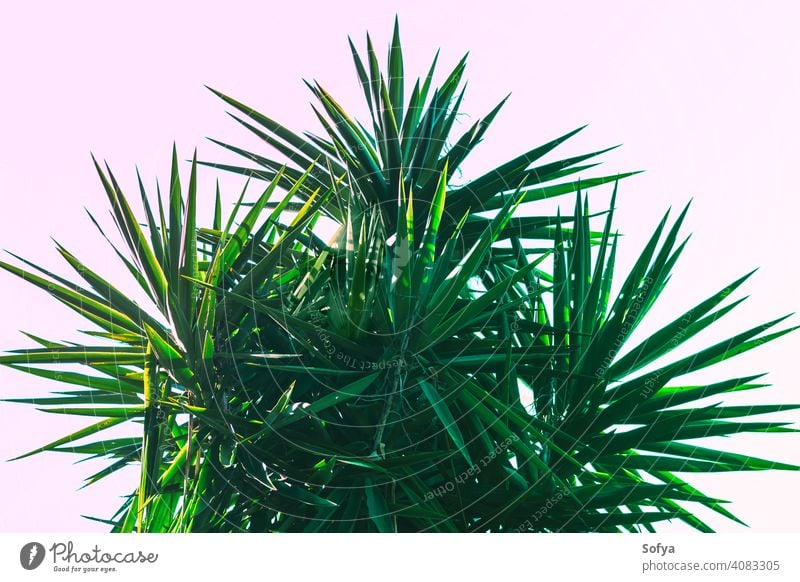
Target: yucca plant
x,y
441,359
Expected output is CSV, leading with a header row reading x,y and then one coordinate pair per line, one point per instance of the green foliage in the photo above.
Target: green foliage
x,y
442,362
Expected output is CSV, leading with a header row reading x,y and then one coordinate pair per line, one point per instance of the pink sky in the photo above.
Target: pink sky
x,y
704,96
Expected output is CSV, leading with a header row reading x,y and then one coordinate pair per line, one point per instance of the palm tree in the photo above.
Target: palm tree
x,y
438,360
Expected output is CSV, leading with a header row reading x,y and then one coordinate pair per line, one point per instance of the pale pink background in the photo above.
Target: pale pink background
x,y
704,96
